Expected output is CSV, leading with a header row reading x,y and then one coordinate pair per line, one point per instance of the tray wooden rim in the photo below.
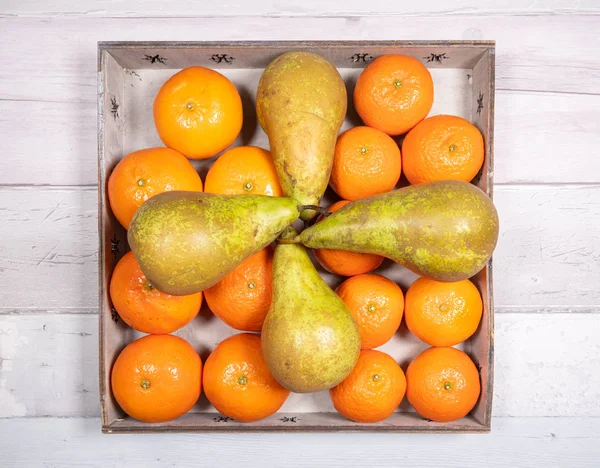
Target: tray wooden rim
x,y
484,45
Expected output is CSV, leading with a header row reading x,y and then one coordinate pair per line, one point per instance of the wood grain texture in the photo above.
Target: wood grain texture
x,y
536,121
544,365
229,8
49,249
547,258
515,442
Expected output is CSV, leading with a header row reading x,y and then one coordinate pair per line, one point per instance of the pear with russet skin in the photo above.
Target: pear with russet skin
x,y
310,340
446,230
301,104
185,242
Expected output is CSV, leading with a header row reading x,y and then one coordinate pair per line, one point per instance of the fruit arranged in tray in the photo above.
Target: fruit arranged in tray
x,y
241,241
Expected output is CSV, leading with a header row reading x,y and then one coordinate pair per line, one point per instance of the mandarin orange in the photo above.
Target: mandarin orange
x,y
377,304
443,314
366,162
145,308
243,170
238,382
393,93
372,391
341,262
242,299
443,147
157,378
142,174
442,384
198,112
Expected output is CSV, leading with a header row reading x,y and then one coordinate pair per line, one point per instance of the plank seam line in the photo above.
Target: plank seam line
x,y
569,311
94,187
21,418
286,15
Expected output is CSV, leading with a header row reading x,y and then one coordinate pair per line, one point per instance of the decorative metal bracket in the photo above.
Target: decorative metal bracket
x,y
436,58
480,103
361,58
114,107
291,419
219,58
155,59
114,246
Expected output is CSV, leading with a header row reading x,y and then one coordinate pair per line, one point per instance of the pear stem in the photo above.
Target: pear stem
x,y
317,208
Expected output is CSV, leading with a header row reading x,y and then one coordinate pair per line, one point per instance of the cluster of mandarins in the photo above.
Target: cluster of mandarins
x,y
198,114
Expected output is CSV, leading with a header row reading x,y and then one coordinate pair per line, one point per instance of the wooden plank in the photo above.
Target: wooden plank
x,y
49,248
49,365
545,365
547,256
517,442
52,120
540,137
548,253
229,8
550,53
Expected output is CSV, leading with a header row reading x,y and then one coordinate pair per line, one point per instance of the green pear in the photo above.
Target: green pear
x,y
301,104
310,340
186,242
446,231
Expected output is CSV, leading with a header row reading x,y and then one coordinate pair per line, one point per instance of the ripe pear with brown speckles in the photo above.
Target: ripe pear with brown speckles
x,y
301,104
185,242
446,230
310,340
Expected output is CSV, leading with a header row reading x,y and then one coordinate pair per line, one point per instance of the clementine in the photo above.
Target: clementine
x,y
366,162
157,378
372,391
376,303
242,299
243,170
145,308
393,93
443,314
341,262
198,112
442,384
238,382
142,174
443,147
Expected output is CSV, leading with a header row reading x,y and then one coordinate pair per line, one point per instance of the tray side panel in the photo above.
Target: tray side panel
x,y
114,334
481,345
346,54
126,124
294,422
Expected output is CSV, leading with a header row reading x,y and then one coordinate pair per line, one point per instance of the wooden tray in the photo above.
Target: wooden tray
x,y
130,75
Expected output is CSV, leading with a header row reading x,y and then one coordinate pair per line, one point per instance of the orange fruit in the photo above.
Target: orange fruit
x,y
198,112
376,303
393,93
244,170
142,174
157,378
341,262
144,307
366,162
243,297
443,147
237,380
372,391
442,384
443,314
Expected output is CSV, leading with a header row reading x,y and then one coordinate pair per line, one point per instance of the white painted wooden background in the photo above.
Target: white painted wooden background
x,y
547,276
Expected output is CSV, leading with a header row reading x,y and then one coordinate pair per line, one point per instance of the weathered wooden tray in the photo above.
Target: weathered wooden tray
x,y
130,74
